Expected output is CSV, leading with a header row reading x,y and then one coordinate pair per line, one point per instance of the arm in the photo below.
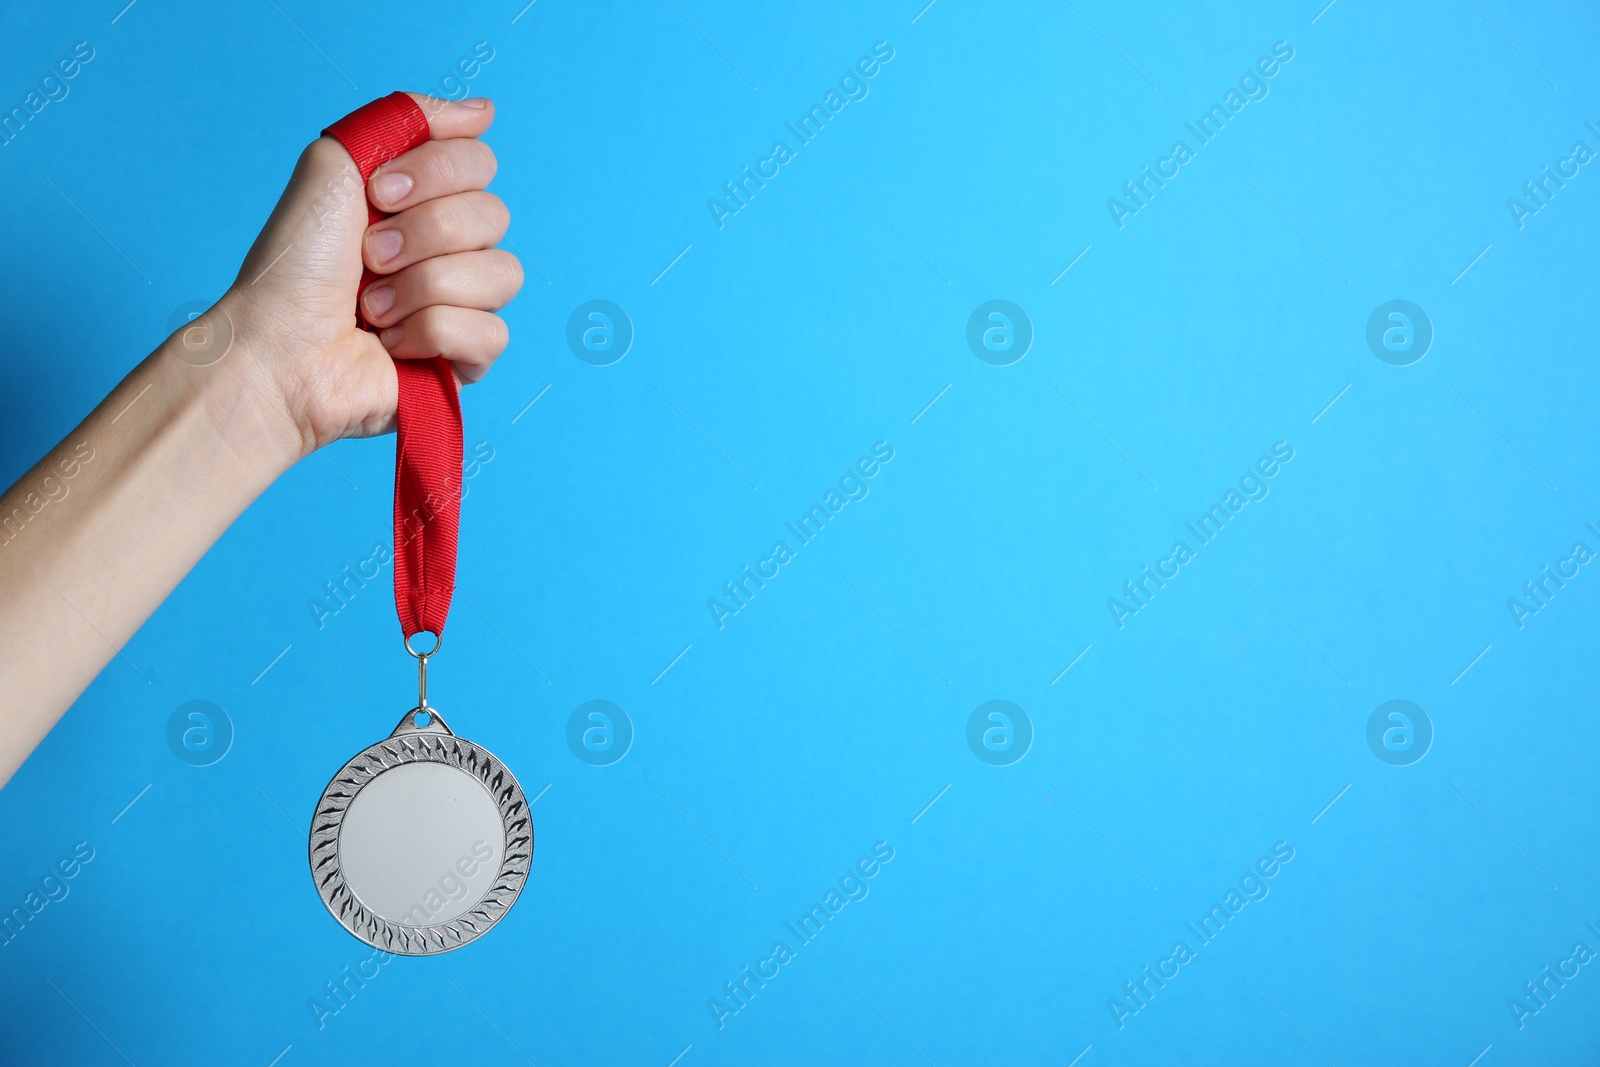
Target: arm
x,y
95,536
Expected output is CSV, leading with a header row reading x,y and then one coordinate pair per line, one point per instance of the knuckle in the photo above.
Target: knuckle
x,y
443,170
430,332
443,225
486,163
495,210
324,153
326,173
424,280
499,269
512,266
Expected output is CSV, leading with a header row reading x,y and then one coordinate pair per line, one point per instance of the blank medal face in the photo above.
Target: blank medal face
x,y
422,842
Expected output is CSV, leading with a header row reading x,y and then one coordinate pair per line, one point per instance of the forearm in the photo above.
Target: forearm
x,y
102,529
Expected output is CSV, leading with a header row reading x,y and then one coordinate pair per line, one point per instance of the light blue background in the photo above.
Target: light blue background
x,y
821,319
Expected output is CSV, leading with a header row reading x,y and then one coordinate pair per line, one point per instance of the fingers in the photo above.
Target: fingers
x,y
429,171
443,279
470,340
485,281
465,222
455,118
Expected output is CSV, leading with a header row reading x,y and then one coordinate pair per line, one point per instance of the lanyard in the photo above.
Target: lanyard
x,y
427,468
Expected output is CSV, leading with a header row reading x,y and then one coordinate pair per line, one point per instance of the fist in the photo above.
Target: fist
x,y
440,278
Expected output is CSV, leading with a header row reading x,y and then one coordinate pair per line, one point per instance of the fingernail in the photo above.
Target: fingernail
x,y
384,245
477,101
379,298
392,188
391,337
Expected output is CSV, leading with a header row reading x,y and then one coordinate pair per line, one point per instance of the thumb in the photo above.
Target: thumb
x,y
323,211
309,252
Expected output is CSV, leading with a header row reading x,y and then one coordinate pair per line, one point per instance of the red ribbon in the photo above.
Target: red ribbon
x,y
427,462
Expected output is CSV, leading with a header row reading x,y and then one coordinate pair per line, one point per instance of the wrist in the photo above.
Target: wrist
x,y
219,364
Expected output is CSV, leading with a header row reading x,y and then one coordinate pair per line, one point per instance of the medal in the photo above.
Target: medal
x,y
423,841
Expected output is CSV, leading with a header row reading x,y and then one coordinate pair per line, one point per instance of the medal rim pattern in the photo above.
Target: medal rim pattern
x,y
435,743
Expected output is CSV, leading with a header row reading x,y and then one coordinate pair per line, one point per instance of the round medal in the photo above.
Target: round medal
x,y
422,842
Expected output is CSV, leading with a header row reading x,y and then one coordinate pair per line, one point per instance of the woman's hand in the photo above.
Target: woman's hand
x,y
292,309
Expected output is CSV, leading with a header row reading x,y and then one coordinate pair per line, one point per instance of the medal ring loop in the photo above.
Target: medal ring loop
x,y
438,640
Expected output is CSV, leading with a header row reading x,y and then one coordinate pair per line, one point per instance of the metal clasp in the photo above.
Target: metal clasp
x,y
422,668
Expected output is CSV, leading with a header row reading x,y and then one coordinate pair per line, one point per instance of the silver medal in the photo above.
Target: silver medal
x,y
423,841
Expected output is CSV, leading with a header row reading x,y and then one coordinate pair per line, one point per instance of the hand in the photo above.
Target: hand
x,y
292,308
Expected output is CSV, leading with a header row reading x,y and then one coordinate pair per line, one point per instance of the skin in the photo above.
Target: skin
x,y
100,531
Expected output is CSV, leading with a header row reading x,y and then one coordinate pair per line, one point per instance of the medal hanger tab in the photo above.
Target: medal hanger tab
x,y
432,723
